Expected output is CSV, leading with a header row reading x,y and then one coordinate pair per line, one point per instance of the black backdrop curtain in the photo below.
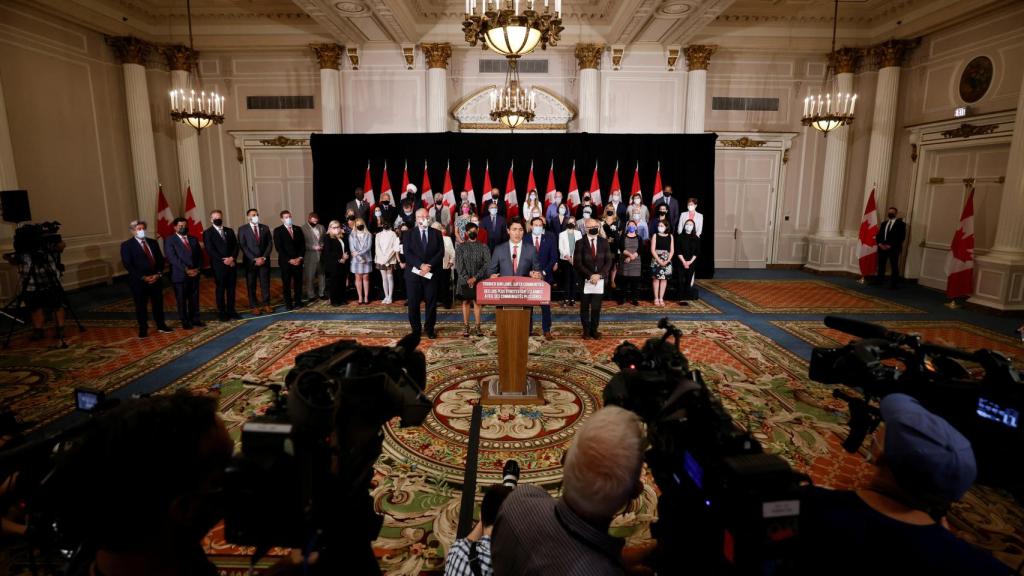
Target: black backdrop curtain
x,y
687,164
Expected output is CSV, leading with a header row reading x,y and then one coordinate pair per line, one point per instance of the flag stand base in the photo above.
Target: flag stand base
x,y
953,305
862,281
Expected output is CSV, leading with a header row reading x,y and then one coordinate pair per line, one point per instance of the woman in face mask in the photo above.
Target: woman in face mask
x,y
386,245
532,204
471,260
558,216
638,213
335,259
465,214
689,249
566,246
630,262
662,251
361,245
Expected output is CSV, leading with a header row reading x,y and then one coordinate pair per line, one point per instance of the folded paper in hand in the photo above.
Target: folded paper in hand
x,y
418,272
591,288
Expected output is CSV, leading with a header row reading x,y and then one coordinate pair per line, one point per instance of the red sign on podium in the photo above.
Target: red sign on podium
x,y
513,291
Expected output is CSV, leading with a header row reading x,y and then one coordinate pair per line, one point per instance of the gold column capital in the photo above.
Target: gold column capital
x,y
129,49
893,52
328,55
698,56
180,57
845,60
437,54
589,55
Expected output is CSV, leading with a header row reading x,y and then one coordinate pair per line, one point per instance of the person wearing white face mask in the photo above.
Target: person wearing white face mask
x,y
637,212
494,224
144,262
662,252
423,250
532,207
291,250
691,214
615,202
552,211
687,251
256,243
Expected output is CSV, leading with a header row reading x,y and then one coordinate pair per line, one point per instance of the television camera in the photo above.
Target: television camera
x,y
725,503
979,393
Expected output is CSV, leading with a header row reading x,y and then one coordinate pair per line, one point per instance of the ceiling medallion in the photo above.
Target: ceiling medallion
x,y
350,7
676,9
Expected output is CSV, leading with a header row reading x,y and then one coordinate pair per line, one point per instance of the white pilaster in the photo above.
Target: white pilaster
x,y
696,94
437,99
590,110
8,175
835,170
189,172
330,100
883,127
140,133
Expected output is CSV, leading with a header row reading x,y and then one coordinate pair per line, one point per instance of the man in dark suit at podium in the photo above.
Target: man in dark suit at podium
x,y
144,262
423,250
889,238
592,261
222,246
516,258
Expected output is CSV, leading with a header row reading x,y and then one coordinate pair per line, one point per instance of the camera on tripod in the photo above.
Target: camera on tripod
x,y
727,505
38,240
309,459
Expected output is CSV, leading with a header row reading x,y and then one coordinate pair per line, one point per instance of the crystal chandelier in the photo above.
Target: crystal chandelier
x,y
503,28
828,111
196,110
513,105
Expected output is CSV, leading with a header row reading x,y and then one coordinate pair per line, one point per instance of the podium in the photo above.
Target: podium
x,y
513,296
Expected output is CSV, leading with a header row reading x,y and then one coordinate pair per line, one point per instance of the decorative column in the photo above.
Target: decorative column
x,y
182,60
999,275
133,54
890,56
698,58
8,176
588,57
437,56
329,57
826,246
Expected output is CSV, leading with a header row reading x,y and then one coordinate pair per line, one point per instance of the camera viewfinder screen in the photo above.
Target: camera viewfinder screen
x,y
989,410
86,401
693,469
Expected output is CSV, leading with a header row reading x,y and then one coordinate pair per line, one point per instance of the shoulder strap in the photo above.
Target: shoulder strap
x,y
474,560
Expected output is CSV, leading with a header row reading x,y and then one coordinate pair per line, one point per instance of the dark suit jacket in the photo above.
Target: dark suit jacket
x,y
585,264
485,204
416,255
498,234
247,242
362,211
673,214
333,251
501,260
895,237
219,248
289,246
548,255
136,262
180,257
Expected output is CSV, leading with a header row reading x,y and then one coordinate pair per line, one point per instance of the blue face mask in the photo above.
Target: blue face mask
x,y
538,230
631,229
287,221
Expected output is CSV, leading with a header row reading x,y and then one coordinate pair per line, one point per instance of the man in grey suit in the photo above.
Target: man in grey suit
x,y
313,232
360,207
256,243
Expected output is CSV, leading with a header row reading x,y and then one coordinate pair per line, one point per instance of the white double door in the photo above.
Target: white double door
x,y
745,185
280,179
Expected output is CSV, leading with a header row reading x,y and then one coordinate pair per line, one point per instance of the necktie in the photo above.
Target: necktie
x,y
221,231
593,249
290,233
515,259
888,229
423,238
256,232
149,254
536,243
184,240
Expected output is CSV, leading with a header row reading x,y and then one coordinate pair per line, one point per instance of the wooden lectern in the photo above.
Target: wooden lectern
x,y
513,296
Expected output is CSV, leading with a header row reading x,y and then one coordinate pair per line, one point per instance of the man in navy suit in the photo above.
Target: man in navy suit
x,y
291,251
222,246
256,243
423,249
185,257
545,244
494,224
673,209
144,262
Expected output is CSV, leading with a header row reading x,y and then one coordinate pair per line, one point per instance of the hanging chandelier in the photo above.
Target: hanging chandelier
x,y
196,110
829,110
501,26
513,105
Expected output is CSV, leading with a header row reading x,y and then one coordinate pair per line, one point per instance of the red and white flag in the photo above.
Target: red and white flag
x,y
960,263
164,216
573,199
195,223
468,186
385,188
549,195
531,184
448,197
405,185
368,186
867,252
427,194
657,186
595,188
636,183
485,195
511,202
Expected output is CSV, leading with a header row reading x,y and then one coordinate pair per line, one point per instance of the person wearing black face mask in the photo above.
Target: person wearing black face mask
x,y
222,246
671,205
890,238
592,260
185,257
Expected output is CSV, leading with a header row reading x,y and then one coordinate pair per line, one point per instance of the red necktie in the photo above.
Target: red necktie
x,y
290,233
184,240
515,259
256,231
149,254
536,243
593,249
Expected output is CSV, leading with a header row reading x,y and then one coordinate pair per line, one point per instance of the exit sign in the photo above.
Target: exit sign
x,y
960,112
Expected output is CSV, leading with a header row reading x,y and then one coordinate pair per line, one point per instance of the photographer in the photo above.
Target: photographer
x,y
536,534
897,524
40,271
472,554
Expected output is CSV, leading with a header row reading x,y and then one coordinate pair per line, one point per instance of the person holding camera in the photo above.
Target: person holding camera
x,y
471,556
536,534
142,258
40,273
898,522
185,257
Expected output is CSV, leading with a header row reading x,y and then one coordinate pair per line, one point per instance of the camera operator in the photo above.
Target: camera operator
x,y
535,534
39,271
897,524
143,487
472,554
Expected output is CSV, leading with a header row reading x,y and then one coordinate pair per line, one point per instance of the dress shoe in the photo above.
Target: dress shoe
x,y
268,309
635,303
199,324
186,326
143,333
431,334
289,306
595,335
223,317
234,316
257,311
165,329
549,336
586,335
300,304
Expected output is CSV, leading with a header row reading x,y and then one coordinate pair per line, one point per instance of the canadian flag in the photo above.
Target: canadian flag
x,y
549,195
511,202
448,199
595,188
405,184
531,184
468,186
573,199
960,263
636,183
657,186
867,252
195,223
385,188
164,216
486,194
427,196
368,186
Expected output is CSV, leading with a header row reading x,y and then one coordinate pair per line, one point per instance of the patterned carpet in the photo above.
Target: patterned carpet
x,y
800,297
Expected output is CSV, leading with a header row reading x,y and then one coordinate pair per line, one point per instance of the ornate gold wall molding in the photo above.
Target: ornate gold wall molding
x,y
327,55
409,53
617,51
180,57
130,50
589,56
698,56
437,54
284,141
353,56
967,130
743,142
893,52
845,60
673,57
